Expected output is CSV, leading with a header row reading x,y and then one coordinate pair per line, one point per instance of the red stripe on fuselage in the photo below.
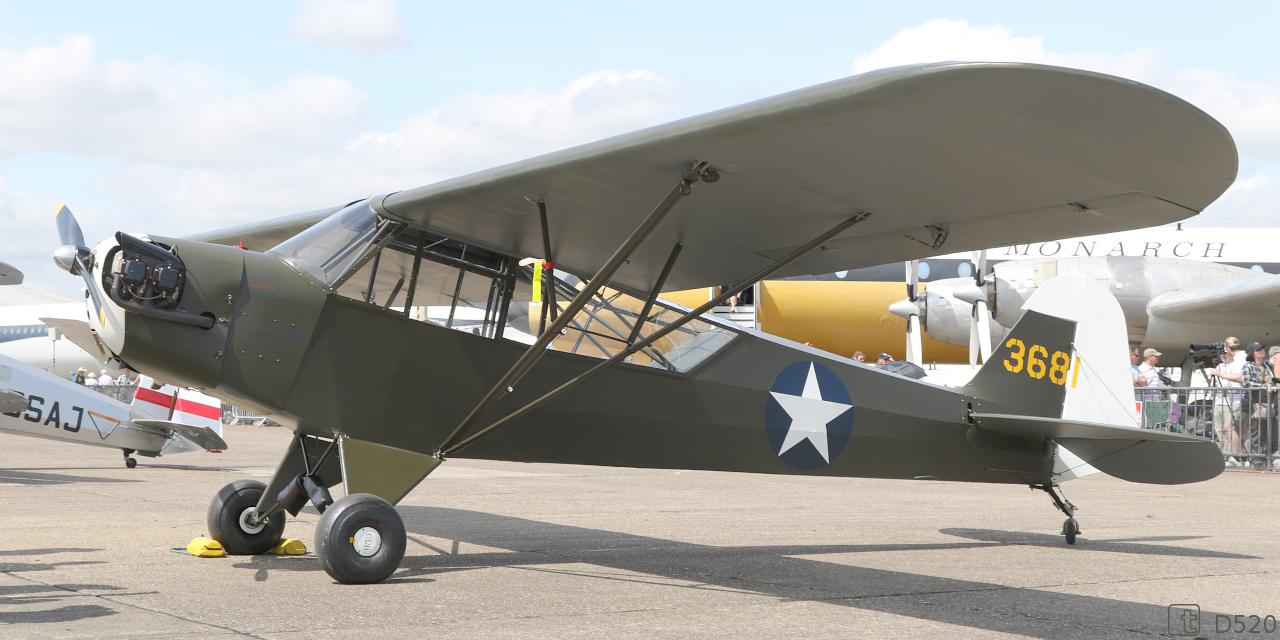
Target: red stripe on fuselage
x,y
154,397
196,409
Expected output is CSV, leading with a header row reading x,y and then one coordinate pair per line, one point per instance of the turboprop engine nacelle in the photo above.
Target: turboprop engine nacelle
x,y
946,317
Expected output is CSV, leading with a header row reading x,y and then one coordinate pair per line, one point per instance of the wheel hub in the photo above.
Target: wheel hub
x,y
246,522
367,541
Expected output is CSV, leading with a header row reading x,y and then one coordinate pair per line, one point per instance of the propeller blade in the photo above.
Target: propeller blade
x,y
983,324
980,260
915,341
913,279
974,345
68,229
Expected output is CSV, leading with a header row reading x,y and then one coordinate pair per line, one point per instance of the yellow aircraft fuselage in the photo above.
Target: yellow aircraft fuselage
x,y
838,317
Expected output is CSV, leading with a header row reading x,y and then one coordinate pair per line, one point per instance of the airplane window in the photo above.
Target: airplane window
x,y
462,288
329,249
924,270
964,270
1257,267
456,286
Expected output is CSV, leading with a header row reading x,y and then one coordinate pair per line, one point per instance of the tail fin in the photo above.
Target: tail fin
x,y
168,403
1066,358
1027,373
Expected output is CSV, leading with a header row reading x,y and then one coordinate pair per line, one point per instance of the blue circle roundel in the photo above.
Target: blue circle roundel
x,y
808,415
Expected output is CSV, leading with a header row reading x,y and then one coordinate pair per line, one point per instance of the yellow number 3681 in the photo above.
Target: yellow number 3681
x,y
1033,360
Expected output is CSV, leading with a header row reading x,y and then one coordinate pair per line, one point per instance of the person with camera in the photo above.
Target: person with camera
x,y
1273,359
1255,377
1227,418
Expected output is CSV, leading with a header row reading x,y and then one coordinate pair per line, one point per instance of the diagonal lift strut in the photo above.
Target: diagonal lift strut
x,y
449,447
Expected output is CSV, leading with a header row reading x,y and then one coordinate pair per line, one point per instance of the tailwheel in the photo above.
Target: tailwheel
x,y
360,539
1069,529
232,520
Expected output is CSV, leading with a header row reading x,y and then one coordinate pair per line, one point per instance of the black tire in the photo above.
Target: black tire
x,y
343,522
1070,529
225,520
130,463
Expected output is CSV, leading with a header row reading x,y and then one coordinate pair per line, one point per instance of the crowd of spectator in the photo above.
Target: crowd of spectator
x,y
1245,403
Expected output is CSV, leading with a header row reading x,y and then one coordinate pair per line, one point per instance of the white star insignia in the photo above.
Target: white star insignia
x,y
809,415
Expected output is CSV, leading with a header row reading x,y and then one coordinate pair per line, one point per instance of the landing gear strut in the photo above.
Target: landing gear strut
x,y
1070,528
128,459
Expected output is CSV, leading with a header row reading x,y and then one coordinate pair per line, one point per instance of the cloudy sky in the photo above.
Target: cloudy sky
x,y
175,117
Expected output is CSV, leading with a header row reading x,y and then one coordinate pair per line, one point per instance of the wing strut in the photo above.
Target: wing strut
x,y
653,295
549,304
448,448
535,351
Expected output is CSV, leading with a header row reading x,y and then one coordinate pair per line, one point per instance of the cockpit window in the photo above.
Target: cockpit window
x,y
338,244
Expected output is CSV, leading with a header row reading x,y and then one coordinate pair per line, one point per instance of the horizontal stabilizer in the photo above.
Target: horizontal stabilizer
x,y
203,436
1136,455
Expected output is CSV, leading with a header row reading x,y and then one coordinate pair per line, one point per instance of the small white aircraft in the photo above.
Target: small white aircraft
x,y
162,419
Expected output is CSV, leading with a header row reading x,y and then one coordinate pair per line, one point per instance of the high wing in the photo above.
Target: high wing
x,y
986,154
261,236
1251,302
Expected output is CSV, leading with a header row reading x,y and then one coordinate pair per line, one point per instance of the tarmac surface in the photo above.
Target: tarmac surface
x,y
501,550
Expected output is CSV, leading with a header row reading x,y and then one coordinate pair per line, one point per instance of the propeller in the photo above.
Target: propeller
x,y
980,324
909,308
70,256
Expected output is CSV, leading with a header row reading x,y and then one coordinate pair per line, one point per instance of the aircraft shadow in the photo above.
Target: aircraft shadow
x,y
45,552
37,594
1130,545
68,613
13,476
775,571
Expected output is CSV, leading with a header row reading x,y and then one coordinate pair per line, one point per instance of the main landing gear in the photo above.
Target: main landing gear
x,y
128,458
360,539
232,520
1070,528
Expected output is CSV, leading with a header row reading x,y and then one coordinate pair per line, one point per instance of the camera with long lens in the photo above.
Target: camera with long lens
x,y
1213,350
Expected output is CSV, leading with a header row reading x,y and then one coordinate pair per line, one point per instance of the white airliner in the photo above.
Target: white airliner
x,y
25,332
162,419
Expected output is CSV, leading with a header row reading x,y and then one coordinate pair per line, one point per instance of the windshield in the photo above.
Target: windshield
x,y
332,247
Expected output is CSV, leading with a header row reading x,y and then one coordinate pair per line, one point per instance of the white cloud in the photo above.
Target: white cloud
x,y
62,100
192,150
1249,110
364,25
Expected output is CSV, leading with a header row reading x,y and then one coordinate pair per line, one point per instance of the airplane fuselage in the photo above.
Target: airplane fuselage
x,y
324,364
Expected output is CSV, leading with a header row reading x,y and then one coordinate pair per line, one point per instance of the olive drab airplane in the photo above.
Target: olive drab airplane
x,y
329,332
162,419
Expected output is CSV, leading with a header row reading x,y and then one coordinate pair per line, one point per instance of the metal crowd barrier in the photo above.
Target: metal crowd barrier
x,y
1242,421
121,392
232,415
